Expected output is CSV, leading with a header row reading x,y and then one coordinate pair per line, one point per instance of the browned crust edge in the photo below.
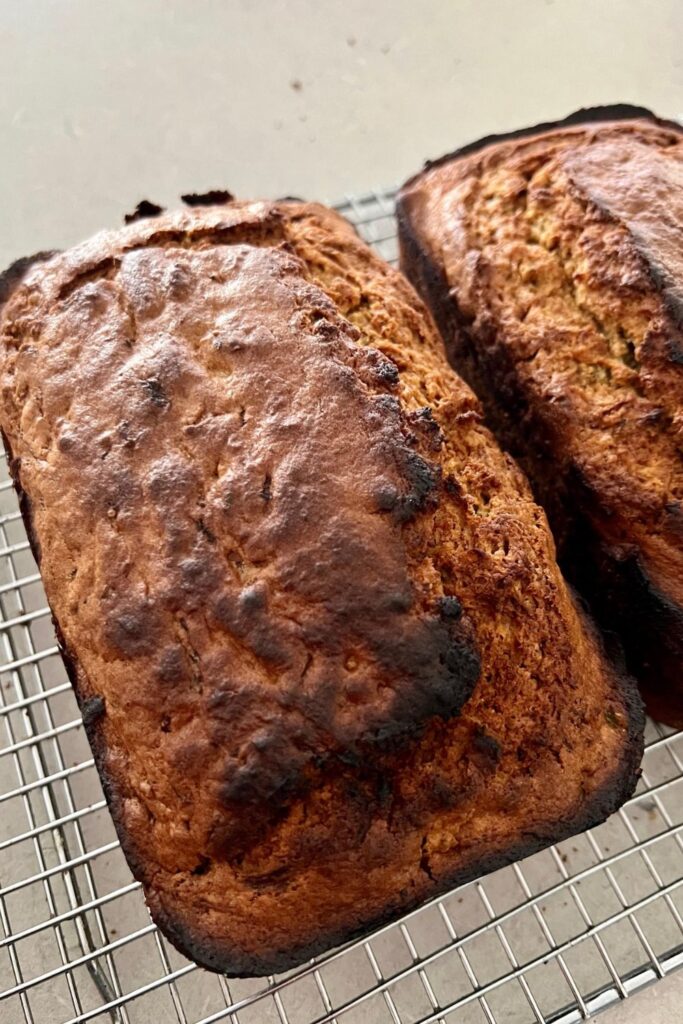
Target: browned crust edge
x,y
15,273
586,115
620,594
230,960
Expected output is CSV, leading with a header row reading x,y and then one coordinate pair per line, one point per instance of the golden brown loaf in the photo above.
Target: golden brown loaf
x,y
281,550
553,262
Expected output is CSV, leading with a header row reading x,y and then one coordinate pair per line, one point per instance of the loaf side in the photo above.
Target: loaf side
x,y
552,262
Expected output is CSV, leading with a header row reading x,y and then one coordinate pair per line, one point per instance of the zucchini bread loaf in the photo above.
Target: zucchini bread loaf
x,y
552,260
326,661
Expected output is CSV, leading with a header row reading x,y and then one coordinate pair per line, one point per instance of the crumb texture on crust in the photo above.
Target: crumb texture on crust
x,y
325,657
553,264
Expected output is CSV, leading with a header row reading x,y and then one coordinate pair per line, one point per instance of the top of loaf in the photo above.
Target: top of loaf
x,y
205,398
571,236
277,541
609,113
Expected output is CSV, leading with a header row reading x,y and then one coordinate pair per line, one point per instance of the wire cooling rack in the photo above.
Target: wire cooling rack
x,y
554,938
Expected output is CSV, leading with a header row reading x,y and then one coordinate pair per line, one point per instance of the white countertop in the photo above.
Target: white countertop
x,y
103,104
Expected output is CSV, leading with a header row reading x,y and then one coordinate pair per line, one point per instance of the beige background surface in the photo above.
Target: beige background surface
x,y
103,103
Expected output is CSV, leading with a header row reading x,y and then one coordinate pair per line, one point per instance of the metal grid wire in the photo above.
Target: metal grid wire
x,y
551,939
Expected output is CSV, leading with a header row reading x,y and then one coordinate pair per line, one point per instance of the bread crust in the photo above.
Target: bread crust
x,y
302,731
595,287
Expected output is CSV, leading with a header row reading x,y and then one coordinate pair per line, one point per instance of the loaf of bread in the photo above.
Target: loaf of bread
x,y
552,260
326,661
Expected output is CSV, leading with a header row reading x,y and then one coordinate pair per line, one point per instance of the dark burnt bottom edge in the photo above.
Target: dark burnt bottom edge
x,y
235,963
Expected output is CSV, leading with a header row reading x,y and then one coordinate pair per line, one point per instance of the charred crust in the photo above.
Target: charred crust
x,y
144,209
423,479
423,421
587,115
450,608
232,961
202,867
92,709
228,959
435,654
26,508
487,746
154,389
624,599
11,278
213,197
386,373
